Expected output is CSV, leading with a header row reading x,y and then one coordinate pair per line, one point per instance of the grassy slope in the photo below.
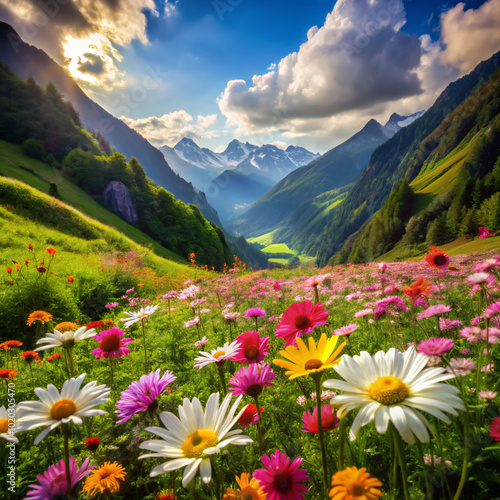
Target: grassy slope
x,y
11,157
18,229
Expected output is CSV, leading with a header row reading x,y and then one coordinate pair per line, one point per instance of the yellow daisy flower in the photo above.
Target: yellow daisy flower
x,y
306,361
353,483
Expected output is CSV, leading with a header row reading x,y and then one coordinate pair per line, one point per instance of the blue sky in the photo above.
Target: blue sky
x,y
315,86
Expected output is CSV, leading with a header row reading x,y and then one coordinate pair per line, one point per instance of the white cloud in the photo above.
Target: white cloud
x,y
169,8
172,127
356,60
272,67
471,36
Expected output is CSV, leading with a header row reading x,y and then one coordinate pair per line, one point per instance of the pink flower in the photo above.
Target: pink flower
x,y
487,266
479,278
255,312
202,342
111,344
252,380
420,302
448,324
53,483
352,296
382,266
277,287
170,295
329,419
495,429
301,400
488,368
231,316
472,334
280,479
433,310
491,310
435,346
487,395
315,280
112,304
461,366
363,312
346,330
389,289
252,348
192,322
300,318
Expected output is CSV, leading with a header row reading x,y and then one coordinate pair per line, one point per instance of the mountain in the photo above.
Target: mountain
x,y
401,158
25,60
189,151
291,204
236,152
397,122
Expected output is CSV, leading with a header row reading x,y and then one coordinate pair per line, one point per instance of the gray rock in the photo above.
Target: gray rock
x,y
118,198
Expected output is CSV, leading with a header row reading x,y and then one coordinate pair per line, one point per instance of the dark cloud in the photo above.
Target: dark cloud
x,y
93,65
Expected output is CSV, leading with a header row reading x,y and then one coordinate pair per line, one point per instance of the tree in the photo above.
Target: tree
x,y
34,149
470,226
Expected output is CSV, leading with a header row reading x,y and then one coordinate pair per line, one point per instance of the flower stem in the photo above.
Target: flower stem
x,y
256,323
220,369
145,351
70,359
422,463
317,381
32,379
259,430
465,465
400,451
342,435
66,459
111,373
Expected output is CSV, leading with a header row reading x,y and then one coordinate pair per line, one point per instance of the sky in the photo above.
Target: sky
x,y
308,73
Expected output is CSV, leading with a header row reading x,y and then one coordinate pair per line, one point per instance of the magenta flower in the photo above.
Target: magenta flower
x,y
280,479
255,312
448,324
112,304
300,318
252,348
52,483
491,310
143,395
277,287
346,330
111,344
433,310
252,380
329,419
435,346
495,429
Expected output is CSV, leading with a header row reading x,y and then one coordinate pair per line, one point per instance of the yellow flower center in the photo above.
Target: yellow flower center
x,y
62,409
388,390
355,489
313,364
218,354
4,425
198,442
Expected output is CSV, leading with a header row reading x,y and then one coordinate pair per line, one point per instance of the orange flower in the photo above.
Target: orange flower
x,y
105,479
436,258
71,279
52,251
42,316
418,288
250,488
30,356
353,483
7,374
10,344
66,326
54,356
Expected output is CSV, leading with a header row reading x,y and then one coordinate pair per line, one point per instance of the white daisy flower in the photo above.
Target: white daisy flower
x,y
56,408
140,315
7,432
395,387
218,355
66,339
191,439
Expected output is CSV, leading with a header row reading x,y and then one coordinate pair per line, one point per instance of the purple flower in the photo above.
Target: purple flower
x,y
252,380
52,483
255,312
435,347
143,395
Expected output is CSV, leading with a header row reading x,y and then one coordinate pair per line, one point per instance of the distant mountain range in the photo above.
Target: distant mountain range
x,y
238,176
25,60
295,206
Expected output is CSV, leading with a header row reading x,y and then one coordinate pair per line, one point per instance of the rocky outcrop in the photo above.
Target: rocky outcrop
x,y
119,200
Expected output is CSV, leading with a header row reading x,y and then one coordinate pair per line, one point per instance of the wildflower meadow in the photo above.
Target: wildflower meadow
x,y
350,382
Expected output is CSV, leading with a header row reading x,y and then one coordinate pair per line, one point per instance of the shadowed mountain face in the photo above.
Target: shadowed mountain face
x,y
287,202
26,60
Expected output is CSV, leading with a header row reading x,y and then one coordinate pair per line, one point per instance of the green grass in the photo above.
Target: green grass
x,y
278,248
283,262
265,239
11,158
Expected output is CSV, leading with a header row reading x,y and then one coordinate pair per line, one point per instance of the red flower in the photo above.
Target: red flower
x,y
329,420
30,356
92,443
52,251
41,269
9,270
54,356
300,318
7,374
26,262
30,246
10,344
417,289
71,279
438,259
249,416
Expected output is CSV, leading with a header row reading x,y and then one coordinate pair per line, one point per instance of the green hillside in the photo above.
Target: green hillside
x,y
39,175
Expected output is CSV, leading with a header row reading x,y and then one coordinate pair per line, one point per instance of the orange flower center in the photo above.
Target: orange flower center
x,y
302,322
62,409
4,425
218,354
249,493
251,352
313,364
110,343
388,390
